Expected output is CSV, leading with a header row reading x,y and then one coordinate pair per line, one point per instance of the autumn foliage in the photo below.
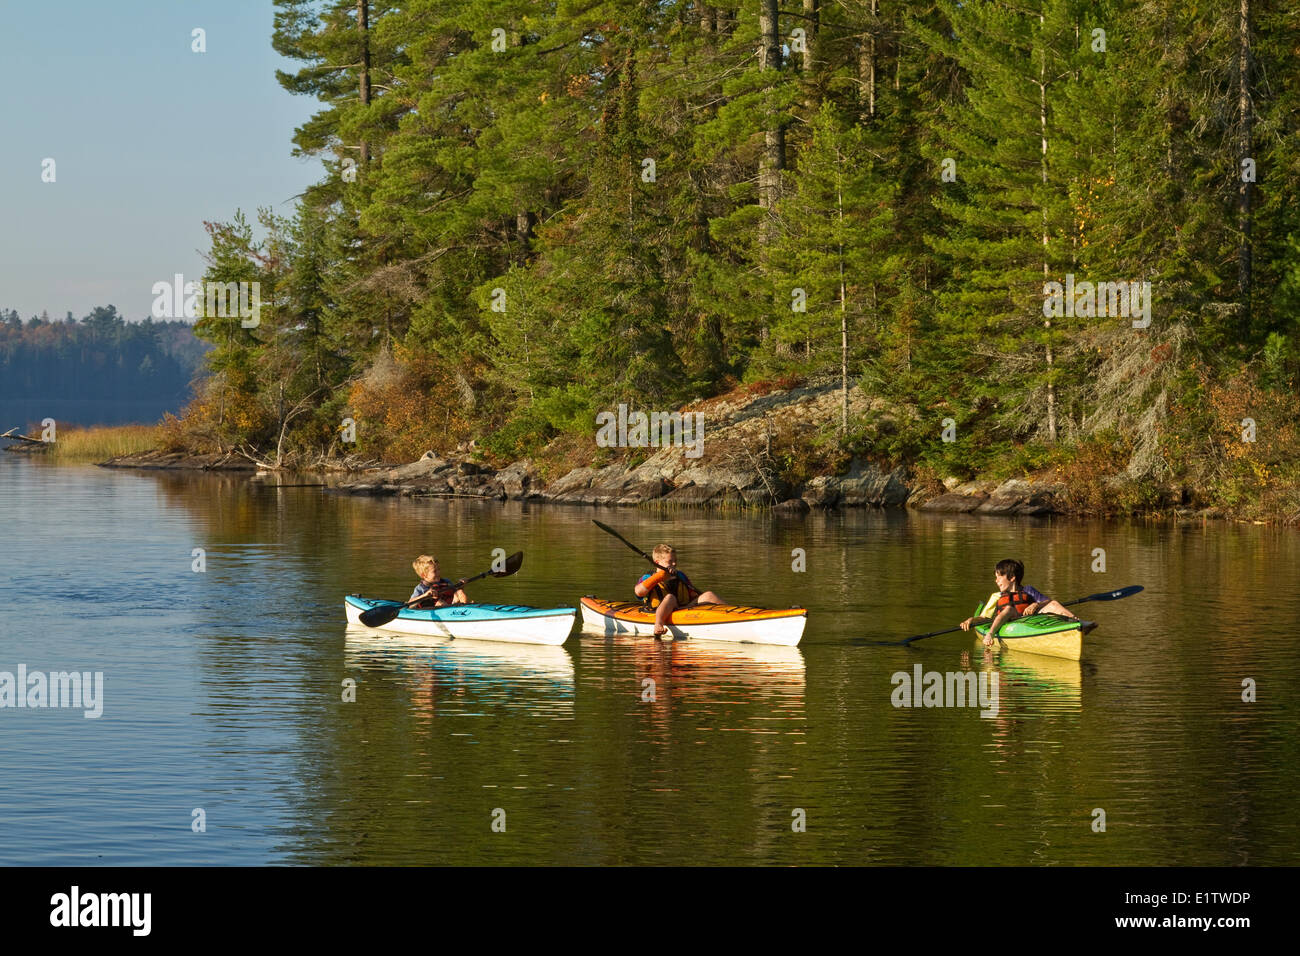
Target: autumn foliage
x,y
407,404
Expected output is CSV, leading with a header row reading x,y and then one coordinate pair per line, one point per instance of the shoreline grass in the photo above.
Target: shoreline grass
x,y
101,442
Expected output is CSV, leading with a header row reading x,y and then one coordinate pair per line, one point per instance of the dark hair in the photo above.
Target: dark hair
x,y
1012,569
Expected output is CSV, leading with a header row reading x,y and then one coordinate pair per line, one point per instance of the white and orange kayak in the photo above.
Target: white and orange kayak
x,y
705,622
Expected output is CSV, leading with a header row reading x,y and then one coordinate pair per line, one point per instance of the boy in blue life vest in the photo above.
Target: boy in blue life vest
x,y
1012,600
668,589
436,590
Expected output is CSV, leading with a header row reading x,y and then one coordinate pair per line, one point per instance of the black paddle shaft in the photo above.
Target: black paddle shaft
x,y
608,530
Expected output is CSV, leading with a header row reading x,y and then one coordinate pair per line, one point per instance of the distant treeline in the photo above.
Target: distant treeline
x,y
100,358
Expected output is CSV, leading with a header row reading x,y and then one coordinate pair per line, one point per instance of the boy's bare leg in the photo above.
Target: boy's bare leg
x,y
708,597
998,618
663,612
1055,607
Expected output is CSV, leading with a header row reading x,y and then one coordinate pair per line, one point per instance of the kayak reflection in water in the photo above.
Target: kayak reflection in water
x,y
668,589
1012,600
436,590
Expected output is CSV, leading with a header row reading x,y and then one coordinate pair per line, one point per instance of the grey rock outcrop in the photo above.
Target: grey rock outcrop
x,y
1016,496
865,484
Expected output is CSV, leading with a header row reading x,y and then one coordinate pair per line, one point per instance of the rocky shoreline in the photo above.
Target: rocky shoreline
x,y
735,471
655,481
658,482
667,480
650,485
179,461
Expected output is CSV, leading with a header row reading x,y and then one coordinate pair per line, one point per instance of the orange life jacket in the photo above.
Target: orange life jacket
x,y
676,584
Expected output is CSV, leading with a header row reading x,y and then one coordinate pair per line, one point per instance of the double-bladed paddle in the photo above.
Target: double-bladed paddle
x,y
381,614
608,530
1103,596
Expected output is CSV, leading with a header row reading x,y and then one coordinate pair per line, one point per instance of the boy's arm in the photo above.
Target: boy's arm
x,y
1039,599
649,583
998,620
982,616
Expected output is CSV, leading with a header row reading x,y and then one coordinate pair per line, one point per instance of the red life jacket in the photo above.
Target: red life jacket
x,y
1017,599
444,590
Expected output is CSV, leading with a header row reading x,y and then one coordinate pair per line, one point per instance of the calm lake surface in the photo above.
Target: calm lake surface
x,y
223,689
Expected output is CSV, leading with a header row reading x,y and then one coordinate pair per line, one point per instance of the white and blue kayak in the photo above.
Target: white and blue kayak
x,y
510,623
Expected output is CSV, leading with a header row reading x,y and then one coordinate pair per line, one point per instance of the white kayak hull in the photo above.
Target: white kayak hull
x,y
550,626
785,631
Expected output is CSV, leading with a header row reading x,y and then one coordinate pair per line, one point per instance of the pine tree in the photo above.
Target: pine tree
x,y
830,252
1009,229
233,390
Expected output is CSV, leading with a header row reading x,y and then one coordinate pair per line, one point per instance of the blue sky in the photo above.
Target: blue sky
x,y
150,139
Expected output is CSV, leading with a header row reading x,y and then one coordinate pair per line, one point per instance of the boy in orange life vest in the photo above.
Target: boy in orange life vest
x,y
1012,600
436,590
668,589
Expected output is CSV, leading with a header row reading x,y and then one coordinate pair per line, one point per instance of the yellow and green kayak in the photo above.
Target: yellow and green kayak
x,y
1051,635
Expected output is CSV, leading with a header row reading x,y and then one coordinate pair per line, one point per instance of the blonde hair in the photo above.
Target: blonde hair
x,y
665,550
424,563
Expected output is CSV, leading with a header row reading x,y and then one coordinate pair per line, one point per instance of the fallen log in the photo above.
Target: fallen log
x,y
10,434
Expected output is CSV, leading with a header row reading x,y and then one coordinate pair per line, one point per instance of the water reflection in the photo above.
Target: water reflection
x,y
466,678
681,688
690,669
1031,684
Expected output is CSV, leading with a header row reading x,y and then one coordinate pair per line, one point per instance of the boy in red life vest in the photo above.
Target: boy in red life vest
x,y
1012,600
436,590
668,589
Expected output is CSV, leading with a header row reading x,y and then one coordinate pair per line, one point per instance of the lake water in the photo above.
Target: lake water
x,y
223,689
